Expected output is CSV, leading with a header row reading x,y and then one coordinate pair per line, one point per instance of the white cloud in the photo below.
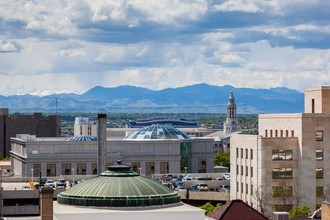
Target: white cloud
x,y
7,47
239,5
77,44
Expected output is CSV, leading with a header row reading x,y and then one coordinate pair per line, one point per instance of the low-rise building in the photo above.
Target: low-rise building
x,y
150,150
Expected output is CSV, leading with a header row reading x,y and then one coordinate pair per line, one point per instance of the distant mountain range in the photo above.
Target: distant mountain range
x,y
199,98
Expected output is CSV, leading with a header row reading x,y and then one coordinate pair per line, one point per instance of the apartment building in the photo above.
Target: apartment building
x,y
286,163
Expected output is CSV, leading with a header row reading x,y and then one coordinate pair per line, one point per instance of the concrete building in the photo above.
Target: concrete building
x,y
85,126
150,150
36,124
287,162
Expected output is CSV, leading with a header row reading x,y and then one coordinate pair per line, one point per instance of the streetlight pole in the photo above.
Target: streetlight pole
x,y
185,170
73,176
32,175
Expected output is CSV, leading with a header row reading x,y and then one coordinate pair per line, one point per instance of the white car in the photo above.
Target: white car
x,y
50,183
226,176
60,185
26,188
187,178
202,187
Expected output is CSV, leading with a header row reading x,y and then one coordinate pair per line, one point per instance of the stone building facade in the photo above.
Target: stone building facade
x,y
288,160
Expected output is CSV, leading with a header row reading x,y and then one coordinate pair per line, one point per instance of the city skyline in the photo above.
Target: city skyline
x,y
71,46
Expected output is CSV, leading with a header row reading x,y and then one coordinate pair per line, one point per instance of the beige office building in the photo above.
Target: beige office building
x,y
287,162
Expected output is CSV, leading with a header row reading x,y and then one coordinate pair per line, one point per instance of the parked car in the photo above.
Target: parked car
x,y
193,188
60,185
219,178
50,183
26,188
60,181
202,187
224,188
187,178
226,176
42,181
181,188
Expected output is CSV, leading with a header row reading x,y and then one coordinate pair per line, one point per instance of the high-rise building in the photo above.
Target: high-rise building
x,y
36,124
231,124
286,164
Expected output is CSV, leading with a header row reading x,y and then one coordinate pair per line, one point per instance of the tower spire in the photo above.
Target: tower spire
x,y
231,124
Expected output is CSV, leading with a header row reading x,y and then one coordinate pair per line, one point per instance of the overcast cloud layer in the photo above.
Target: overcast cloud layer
x,y
73,45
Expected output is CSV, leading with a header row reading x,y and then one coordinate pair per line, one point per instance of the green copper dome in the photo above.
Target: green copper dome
x,y
119,187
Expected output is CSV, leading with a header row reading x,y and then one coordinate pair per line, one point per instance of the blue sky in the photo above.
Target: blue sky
x,y
73,45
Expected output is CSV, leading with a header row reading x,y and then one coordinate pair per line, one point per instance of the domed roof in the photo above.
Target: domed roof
x,y
83,138
157,132
119,187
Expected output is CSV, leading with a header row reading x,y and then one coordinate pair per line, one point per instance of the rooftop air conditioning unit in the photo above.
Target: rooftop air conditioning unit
x,y
281,216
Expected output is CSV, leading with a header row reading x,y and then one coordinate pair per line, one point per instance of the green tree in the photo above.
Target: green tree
x,y
300,211
222,158
208,207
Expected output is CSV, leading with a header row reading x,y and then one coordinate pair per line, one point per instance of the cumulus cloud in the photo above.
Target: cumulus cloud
x,y
7,47
78,44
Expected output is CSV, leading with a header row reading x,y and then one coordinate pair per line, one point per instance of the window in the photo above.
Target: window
x,y
237,185
241,187
286,133
251,191
292,133
202,165
319,191
275,133
246,188
319,135
251,154
282,191
136,167
246,154
282,173
271,133
237,169
66,169
251,171
150,169
246,171
282,154
319,173
319,155
281,133
313,106
163,167
51,169
242,170
94,168
237,153
241,152
36,169
266,133
81,168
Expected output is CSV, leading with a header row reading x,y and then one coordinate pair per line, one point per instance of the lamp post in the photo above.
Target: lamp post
x,y
185,170
32,175
72,176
